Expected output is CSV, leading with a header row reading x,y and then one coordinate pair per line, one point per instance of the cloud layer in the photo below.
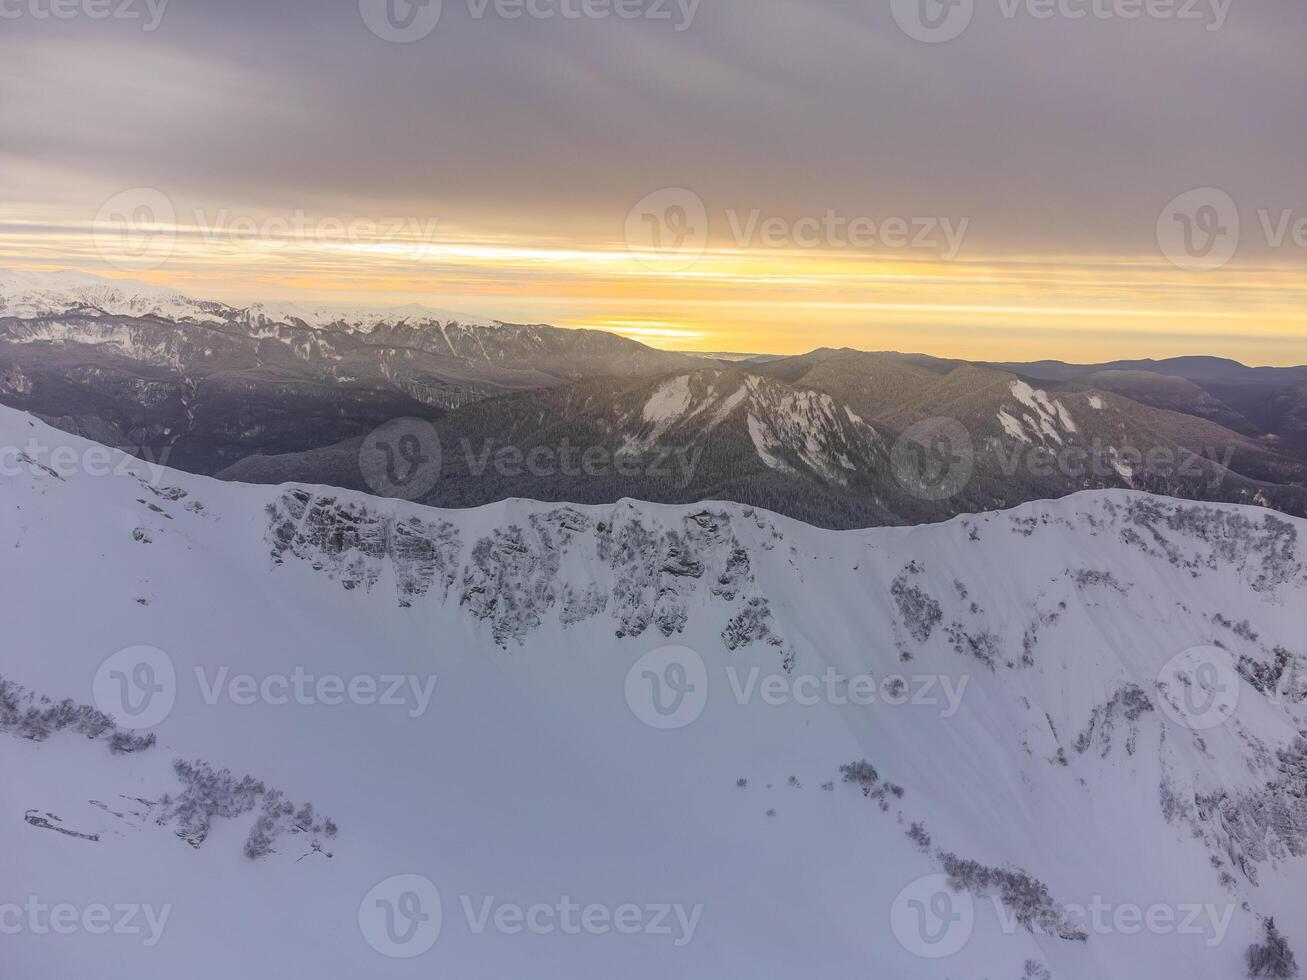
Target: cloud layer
x,y
1061,136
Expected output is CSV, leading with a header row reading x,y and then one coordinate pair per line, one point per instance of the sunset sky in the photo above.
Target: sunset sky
x,y
1005,194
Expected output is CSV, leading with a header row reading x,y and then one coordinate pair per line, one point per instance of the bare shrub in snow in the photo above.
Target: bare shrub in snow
x,y
1026,897
1272,958
917,832
864,774
921,613
210,794
861,773
27,715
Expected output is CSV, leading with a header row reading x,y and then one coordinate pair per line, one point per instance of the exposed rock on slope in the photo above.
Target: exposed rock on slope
x,y
1018,686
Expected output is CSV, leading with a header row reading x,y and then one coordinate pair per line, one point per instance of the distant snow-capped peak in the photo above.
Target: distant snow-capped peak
x,y
31,294
363,318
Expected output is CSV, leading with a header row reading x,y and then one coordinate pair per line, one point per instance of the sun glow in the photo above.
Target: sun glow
x,y
726,298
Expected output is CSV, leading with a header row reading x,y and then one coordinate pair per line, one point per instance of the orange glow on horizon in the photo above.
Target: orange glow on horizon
x,y
761,300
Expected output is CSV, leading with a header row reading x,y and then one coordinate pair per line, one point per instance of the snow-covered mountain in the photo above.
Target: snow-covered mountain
x,y
1261,400
39,294
716,433
275,392
75,308
846,452
637,740
205,384
29,294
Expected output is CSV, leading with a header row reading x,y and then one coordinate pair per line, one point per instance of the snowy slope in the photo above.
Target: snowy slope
x,y
1043,733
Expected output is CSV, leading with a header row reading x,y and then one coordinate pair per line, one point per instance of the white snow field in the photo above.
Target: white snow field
x,y
1097,701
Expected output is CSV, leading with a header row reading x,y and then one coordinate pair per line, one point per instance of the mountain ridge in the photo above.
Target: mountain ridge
x,y
265,395
207,384
1057,626
841,461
